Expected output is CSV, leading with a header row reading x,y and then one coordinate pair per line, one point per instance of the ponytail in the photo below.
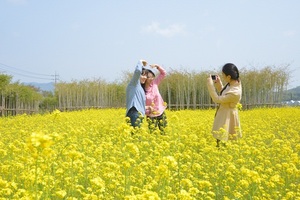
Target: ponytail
x,y
232,70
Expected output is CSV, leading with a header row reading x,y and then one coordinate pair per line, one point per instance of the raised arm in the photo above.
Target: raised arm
x,y
162,73
232,96
137,72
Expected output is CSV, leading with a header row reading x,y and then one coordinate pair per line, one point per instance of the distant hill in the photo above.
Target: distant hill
x,y
292,94
42,86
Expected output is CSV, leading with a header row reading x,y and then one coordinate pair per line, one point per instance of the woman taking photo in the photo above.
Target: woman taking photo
x,y
226,124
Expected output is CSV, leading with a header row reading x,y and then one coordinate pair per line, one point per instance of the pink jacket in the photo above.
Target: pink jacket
x,y
153,96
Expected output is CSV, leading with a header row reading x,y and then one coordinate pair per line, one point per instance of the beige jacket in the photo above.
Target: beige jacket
x,y
227,123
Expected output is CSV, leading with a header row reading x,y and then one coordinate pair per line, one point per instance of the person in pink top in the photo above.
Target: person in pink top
x,y
155,105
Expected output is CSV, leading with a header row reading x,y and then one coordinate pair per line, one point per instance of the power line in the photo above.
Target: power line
x,y
29,74
25,70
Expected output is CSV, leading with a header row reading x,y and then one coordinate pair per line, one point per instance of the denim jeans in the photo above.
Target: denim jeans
x,y
135,117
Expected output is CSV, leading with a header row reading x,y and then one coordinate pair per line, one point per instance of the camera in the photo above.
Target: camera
x,y
213,77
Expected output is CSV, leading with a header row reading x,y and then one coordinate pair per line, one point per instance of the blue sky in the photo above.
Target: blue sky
x,y
77,40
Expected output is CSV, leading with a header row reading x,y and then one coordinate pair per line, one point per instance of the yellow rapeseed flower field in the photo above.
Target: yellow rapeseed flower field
x,y
92,154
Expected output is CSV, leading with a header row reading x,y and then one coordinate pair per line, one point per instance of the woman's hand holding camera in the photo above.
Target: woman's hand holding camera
x,y
214,79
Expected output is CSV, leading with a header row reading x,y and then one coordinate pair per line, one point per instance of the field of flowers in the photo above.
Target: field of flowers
x,y
91,154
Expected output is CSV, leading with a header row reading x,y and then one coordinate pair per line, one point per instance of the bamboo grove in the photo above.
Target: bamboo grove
x,y
180,90
17,98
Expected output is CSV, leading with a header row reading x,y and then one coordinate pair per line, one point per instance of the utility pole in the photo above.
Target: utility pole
x,y
56,78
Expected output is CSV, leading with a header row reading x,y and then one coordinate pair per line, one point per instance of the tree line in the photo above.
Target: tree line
x,y
17,98
181,89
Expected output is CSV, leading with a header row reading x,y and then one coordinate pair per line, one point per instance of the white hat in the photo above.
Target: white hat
x,y
153,70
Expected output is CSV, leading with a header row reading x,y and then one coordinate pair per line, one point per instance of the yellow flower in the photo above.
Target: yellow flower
x,y
39,139
91,197
227,189
203,184
184,195
126,165
243,183
172,197
290,195
110,163
98,182
132,149
186,183
231,167
61,194
150,195
171,162
277,179
3,152
162,171
3,183
255,176
237,194
73,154
193,191
155,112
211,194
239,106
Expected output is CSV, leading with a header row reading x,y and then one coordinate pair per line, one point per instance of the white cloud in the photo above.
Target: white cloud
x,y
169,31
289,33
